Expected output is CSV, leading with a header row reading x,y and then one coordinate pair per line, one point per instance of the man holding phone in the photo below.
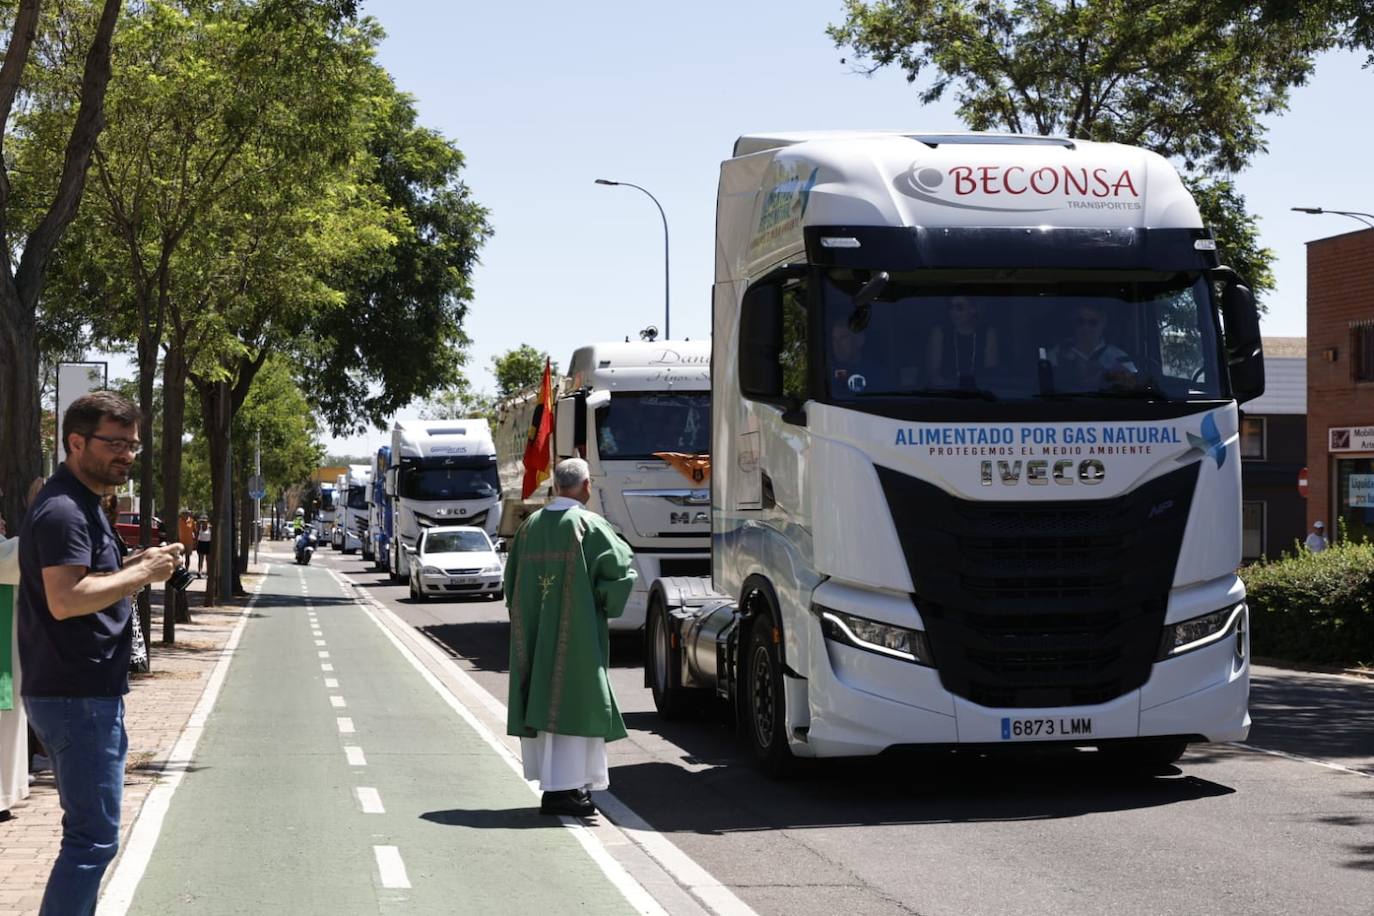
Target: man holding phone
x,y
75,637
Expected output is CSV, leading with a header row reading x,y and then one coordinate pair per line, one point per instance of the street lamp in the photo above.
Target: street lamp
x,y
1366,218
609,183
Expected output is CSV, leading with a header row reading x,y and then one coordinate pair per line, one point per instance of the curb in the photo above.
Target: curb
x,y
1364,674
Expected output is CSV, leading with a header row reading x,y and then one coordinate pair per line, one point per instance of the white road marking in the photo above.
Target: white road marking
x,y
345,726
370,800
324,655
326,667
355,756
337,702
319,642
1300,759
138,849
706,889
390,866
331,682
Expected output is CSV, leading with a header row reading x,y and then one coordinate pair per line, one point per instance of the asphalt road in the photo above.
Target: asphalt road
x,y
1229,830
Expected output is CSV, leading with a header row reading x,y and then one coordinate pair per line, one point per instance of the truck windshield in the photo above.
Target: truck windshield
x,y
1022,335
450,483
357,497
635,426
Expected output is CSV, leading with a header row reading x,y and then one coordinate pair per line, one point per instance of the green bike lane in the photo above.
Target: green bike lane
x,y
330,775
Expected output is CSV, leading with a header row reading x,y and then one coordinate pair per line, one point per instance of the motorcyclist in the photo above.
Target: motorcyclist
x,y
305,538
298,523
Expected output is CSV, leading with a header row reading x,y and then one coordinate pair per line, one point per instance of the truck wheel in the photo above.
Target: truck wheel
x,y
671,701
764,709
1144,755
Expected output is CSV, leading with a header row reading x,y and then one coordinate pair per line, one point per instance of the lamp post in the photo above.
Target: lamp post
x,y
1366,218
609,183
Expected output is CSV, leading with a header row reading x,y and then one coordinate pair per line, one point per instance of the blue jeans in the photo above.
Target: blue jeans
x,y
86,742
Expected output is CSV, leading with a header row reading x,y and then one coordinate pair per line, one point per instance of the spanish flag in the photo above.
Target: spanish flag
x,y
537,445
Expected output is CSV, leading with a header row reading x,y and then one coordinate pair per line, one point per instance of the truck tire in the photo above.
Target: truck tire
x,y
671,700
1143,755
765,719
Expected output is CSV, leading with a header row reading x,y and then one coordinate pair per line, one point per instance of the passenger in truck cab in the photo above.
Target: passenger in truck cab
x,y
960,346
1085,360
860,365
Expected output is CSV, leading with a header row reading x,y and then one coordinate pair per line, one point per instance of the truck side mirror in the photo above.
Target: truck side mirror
x,y
1244,345
760,343
570,428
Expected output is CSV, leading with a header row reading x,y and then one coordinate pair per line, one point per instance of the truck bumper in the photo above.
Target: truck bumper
x,y
859,703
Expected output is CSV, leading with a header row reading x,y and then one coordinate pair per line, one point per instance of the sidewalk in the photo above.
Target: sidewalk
x,y
157,709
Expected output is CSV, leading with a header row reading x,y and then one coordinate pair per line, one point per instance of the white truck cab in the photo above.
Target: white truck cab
x,y
976,478
441,472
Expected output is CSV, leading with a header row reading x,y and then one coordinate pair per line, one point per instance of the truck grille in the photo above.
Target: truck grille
x,y
1036,604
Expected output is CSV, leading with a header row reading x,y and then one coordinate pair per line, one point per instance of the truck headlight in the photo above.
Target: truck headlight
x,y
1199,631
872,636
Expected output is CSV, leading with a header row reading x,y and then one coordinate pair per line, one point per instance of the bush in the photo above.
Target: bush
x,y
1314,607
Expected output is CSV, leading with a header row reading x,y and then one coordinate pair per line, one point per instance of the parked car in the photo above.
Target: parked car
x,y
128,528
454,560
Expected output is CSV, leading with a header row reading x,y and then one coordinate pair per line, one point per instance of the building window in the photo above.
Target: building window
x,y
1362,351
1252,438
1252,529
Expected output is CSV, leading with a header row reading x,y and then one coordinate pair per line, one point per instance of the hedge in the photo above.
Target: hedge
x,y
1314,607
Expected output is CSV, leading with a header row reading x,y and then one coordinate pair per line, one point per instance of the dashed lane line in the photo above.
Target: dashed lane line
x,y
390,867
370,800
337,702
355,756
143,836
682,874
345,726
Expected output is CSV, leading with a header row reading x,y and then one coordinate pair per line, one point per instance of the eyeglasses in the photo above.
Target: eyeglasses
x,y
132,446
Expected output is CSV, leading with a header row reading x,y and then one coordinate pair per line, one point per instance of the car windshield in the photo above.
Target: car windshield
x,y
456,542
1022,335
473,482
635,426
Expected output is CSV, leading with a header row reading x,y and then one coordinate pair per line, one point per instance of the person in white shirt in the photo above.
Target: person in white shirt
x,y
1316,541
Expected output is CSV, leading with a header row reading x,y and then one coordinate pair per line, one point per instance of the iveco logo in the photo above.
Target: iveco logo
x,y
1089,471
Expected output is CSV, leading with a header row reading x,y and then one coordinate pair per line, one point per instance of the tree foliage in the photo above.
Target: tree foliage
x,y
518,369
1189,79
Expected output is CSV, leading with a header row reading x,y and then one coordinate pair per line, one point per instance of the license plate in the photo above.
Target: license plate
x,y
1049,727
462,580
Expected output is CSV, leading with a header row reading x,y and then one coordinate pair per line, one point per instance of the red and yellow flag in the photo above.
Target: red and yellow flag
x,y
537,445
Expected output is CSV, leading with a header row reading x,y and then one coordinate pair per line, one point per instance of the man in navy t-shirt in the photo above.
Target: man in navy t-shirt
x,y
75,639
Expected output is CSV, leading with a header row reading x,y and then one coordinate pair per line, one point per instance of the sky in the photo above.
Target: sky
x,y
543,98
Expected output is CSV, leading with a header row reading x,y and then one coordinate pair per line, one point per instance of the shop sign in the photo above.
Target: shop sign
x,y
1360,494
1350,439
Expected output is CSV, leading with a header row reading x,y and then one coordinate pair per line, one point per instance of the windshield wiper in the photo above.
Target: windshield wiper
x,y
979,394
1147,391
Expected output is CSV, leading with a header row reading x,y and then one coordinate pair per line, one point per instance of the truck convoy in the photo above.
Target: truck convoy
x,y
440,472
378,541
622,407
975,454
350,530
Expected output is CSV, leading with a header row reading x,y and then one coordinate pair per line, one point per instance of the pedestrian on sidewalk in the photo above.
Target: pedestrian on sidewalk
x,y
14,724
1316,541
202,544
568,572
75,638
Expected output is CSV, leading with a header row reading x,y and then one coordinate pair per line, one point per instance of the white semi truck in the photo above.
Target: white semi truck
x,y
441,472
350,530
621,406
976,479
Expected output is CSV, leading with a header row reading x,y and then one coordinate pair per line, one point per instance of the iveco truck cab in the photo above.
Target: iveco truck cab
x,y
976,481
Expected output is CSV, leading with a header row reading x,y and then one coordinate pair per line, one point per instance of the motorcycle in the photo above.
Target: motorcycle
x,y
305,547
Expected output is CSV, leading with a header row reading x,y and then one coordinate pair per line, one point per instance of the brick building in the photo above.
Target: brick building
x,y
1273,449
1340,382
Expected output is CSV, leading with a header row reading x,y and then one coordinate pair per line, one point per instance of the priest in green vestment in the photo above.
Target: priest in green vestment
x,y
568,573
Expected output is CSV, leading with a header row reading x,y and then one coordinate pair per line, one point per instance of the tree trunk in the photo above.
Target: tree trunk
x,y
176,609
21,455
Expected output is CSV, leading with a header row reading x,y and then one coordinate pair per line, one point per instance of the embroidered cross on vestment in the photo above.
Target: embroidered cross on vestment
x,y
545,583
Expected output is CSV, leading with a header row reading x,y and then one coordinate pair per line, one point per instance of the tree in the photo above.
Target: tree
x,y
519,369
1188,79
399,335
53,206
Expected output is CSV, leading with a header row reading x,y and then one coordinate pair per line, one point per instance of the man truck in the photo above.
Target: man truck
x,y
976,476
441,472
639,413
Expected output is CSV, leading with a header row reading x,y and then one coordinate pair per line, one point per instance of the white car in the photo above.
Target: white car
x,y
454,561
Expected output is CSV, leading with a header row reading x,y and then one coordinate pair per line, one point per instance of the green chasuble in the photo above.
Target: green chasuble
x,y
567,574
6,646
